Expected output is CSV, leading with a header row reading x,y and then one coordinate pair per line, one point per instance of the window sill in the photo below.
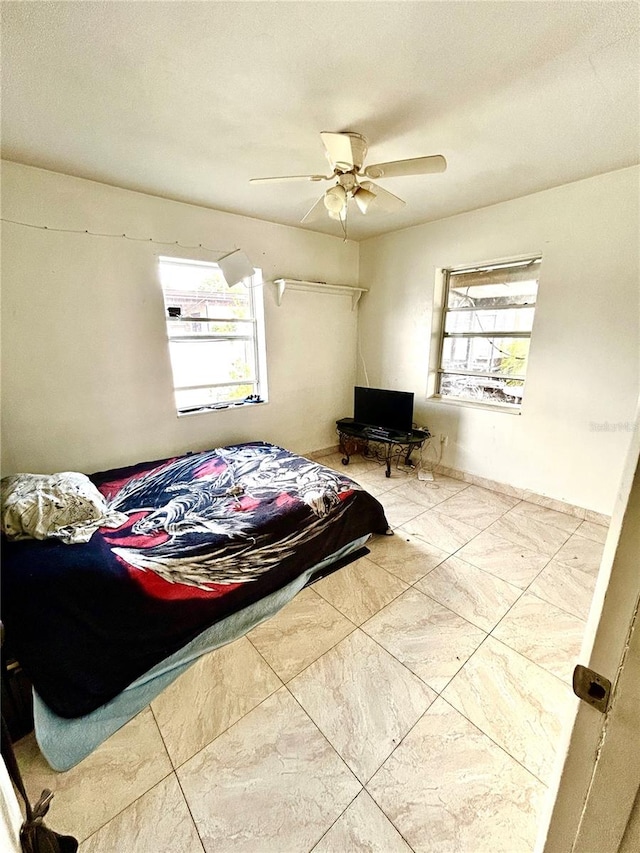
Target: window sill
x,y
472,404
230,407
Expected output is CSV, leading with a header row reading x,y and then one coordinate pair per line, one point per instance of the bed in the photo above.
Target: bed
x,y
210,544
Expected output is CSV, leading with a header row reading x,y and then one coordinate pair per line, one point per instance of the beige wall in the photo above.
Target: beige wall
x,y
86,378
583,367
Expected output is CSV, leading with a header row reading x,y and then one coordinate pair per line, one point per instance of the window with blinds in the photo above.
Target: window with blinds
x,y
486,332
216,336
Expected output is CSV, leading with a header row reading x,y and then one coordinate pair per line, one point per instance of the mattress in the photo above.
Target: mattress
x,y
214,542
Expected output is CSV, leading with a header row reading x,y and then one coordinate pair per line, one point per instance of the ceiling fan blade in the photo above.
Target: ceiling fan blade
x,y
317,211
384,201
291,178
344,150
415,166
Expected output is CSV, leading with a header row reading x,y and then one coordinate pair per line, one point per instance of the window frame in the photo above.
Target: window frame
x,y
447,273
257,336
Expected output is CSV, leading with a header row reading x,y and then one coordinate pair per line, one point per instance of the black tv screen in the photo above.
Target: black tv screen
x,y
376,407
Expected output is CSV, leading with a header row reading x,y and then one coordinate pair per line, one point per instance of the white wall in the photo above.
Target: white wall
x,y
583,367
86,378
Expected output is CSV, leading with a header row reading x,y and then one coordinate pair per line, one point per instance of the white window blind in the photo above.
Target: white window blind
x,y
486,332
216,336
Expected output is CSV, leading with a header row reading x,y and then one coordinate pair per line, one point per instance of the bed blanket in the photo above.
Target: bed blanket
x,y
206,535
65,742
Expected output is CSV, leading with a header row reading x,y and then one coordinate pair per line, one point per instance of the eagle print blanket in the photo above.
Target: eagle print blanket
x,y
205,535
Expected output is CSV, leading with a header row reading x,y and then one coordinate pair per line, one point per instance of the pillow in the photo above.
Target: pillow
x,y
64,506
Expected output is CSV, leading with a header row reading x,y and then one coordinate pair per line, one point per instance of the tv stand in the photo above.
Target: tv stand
x,y
394,444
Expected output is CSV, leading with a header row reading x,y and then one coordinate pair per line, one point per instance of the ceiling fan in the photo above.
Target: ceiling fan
x,y
346,153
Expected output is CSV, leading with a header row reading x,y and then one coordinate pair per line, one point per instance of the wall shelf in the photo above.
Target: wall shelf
x,y
283,284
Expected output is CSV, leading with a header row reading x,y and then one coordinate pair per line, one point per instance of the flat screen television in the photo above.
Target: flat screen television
x,y
390,410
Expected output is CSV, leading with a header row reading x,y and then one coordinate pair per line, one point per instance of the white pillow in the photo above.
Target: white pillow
x,y
64,506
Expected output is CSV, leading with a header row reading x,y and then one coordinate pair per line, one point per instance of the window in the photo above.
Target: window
x,y
486,330
216,336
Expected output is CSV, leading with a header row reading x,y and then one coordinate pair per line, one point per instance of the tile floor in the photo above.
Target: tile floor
x,y
412,701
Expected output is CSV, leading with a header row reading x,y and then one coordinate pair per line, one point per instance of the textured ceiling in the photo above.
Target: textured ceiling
x,y
188,100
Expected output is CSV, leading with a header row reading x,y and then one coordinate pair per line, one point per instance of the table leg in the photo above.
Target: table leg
x,y
344,447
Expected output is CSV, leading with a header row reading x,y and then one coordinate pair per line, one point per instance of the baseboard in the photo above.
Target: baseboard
x,y
502,488
525,495
318,454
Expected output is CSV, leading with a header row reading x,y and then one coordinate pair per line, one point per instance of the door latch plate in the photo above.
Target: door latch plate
x,y
591,687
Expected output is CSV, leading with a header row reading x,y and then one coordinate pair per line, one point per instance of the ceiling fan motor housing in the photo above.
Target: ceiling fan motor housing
x,y
358,145
347,180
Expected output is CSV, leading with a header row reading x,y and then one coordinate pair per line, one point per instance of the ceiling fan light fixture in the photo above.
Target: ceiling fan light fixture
x,y
363,198
339,215
335,199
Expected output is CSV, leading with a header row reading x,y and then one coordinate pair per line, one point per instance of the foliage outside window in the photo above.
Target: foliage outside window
x,y
216,343
486,331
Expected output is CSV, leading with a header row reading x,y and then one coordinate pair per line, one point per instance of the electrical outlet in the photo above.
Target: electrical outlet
x,y
444,440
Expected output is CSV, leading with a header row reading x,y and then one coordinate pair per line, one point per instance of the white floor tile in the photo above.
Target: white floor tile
x,y
362,827
270,783
449,789
428,638
477,596
363,700
519,705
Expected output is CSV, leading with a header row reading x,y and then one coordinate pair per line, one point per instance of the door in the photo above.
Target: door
x,y
596,787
